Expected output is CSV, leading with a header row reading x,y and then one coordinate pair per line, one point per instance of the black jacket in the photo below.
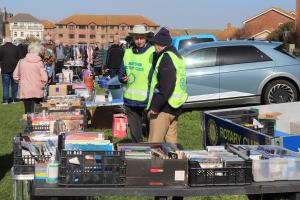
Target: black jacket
x,y
166,79
22,50
115,55
9,57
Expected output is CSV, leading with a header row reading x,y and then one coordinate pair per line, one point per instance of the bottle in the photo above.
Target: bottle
x,y
44,113
106,95
94,95
109,97
52,171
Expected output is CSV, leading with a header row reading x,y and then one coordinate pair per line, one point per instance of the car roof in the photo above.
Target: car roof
x,y
194,47
193,36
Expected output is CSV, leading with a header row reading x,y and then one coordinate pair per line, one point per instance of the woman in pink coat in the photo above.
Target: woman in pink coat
x,y
31,75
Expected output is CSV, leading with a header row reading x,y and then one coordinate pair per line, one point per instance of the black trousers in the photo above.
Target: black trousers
x,y
136,122
113,72
30,103
59,66
98,71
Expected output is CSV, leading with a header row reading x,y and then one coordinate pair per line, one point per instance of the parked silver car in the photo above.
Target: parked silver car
x,y
235,73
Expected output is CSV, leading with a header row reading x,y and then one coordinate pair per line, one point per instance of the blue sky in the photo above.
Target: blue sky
x,y
204,14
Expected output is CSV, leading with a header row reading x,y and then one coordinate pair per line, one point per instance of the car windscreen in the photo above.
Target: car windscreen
x,y
189,42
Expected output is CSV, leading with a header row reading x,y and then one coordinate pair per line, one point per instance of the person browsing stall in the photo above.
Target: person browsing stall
x,y
31,76
114,59
48,57
136,73
60,55
168,90
9,57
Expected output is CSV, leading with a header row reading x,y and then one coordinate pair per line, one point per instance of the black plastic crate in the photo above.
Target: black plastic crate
x,y
241,116
25,164
95,168
269,126
219,176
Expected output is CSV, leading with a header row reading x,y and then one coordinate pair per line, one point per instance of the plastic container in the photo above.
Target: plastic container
x,y
92,168
269,126
52,171
241,116
219,176
276,163
276,169
103,82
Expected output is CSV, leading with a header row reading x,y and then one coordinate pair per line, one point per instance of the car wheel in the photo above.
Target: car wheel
x,y
280,91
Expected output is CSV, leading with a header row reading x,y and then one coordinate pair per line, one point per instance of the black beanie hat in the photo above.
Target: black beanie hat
x,y
162,37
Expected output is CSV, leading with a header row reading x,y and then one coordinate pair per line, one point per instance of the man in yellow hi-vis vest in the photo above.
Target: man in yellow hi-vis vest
x,y
136,75
167,91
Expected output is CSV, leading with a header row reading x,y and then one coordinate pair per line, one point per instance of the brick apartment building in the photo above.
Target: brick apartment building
x,y
262,24
49,28
99,29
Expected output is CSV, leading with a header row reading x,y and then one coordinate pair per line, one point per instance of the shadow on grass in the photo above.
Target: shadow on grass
x,y
101,117
6,164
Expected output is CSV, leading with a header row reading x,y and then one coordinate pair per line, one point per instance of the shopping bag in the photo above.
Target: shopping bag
x,y
119,125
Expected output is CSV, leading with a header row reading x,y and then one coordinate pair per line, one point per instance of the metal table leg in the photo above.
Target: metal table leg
x,y
295,196
15,189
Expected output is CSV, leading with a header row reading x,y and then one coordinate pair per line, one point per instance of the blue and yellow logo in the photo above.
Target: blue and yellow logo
x,y
131,79
213,134
182,84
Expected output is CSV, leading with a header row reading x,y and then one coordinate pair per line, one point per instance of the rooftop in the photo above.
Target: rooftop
x,y
279,10
107,20
24,17
47,24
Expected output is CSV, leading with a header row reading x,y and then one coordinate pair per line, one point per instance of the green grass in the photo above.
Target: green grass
x,y
10,126
189,135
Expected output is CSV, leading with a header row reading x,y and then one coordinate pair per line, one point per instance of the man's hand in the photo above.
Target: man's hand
x,y
125,78
16,79
152,112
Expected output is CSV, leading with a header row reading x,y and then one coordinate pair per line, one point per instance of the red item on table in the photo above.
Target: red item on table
x,y
119,125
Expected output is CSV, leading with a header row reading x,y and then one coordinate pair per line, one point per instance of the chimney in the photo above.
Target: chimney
x,y
5,15
298,22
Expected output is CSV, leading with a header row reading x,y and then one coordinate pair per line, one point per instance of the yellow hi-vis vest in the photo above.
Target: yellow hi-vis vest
x,y
138,67
179,95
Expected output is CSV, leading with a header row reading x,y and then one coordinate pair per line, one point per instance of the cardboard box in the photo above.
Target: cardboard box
x,y
60,90
156,172
271,115
62,104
